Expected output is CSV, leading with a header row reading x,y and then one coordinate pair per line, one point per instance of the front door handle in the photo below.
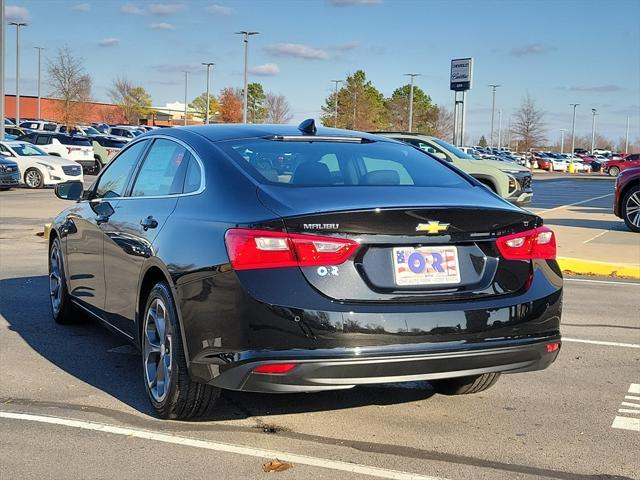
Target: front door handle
x,y
148,223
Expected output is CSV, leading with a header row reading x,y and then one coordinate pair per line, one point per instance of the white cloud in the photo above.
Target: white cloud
x,y
131,9
266,70
13,13
165,9
216,9
297,50
81,7
109,42
532,49
347,3
162,26
345,47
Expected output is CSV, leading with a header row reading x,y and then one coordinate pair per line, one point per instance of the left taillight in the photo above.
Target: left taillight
x,y
539,243
254,249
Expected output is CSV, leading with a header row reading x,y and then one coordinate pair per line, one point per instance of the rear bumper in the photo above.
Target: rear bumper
x,y
348,368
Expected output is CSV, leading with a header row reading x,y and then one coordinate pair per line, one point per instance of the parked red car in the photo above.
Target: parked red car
x,y
614,167
626,200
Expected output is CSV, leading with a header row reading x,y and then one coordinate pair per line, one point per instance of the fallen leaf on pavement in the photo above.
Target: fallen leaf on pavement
x,y
276,466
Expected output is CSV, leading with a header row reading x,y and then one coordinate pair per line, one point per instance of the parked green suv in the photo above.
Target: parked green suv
x,y
509,180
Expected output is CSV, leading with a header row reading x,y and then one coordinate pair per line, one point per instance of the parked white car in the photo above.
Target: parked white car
x,y
37,168
77,147
125,131
39,125
79,130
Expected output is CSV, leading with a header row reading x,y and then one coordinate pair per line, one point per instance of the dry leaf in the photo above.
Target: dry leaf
x,y
276,466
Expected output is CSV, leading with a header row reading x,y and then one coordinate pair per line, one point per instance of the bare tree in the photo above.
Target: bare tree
x,y
443,127
134,102
529,124
71,84
277,107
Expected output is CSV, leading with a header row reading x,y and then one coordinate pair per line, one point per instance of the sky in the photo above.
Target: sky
x,y
557,51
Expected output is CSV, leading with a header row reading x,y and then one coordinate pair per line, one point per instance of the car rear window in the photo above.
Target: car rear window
x,y
339,163
67,140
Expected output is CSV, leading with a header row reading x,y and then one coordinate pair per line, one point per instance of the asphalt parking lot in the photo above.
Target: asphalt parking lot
x,y
72,402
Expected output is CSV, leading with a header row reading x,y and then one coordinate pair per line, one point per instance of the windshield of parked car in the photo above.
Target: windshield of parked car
x,y
90,131
79,141
456,151
331,163
24,150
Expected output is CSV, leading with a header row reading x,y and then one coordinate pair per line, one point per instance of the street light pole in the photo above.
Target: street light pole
x,y
186,83
593,130
335,100
562,130
18,25
626,138
246,34
412,75
208,65
499,128
493,110
39,77
573,130
2,43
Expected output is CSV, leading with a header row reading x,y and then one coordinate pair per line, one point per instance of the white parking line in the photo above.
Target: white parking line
x,y
600,342
628,410
634,388
626,423
608,282
572,204
631,397
223,447
629,423
629,404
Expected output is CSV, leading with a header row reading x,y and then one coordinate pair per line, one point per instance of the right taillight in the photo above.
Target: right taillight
x,y
537,243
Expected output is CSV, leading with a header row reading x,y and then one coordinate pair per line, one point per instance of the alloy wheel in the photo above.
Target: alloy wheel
x,y
632,209
157,350
55,280
32,179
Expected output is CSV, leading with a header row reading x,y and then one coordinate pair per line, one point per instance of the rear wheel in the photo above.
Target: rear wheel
x,y
631,209
33,178
97,166
465,385
170,389
614,171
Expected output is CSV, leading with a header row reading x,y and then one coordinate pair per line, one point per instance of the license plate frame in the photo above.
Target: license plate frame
x,y
443,268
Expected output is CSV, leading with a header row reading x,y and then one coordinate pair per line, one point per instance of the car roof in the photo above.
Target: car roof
x,y
222,132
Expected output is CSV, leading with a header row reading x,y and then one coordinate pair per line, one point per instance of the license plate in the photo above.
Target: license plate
x,y
426,266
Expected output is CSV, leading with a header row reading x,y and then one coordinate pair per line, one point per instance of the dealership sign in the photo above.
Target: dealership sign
x,y
461,74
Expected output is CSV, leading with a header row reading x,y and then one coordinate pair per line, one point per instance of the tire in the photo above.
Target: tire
x,y
465,385
614,171
62,310
631,208
179,397
97,166
33,178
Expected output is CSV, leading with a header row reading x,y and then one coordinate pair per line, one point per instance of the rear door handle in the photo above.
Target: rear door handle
x,y
148,223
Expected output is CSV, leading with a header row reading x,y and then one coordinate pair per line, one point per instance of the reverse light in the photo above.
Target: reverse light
x,y
275,368
254,249
539,243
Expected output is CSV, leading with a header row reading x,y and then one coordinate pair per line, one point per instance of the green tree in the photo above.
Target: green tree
x,y
256,112
425,113
134,102
360,105
199,106
483,142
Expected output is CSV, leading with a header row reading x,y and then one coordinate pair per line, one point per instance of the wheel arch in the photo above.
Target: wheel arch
x,y
624,191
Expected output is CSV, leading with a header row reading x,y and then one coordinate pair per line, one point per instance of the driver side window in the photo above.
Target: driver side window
x,y
113,182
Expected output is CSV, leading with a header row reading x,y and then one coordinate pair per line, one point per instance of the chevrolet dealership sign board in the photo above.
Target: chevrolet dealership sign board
x,y
461,74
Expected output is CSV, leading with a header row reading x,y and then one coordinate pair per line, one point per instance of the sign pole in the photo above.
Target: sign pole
x,y
455,116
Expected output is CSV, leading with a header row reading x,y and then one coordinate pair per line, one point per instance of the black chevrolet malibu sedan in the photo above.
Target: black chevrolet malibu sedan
x,y
293,259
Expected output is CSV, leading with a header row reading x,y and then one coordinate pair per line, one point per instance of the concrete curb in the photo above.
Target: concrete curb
x,y
591,267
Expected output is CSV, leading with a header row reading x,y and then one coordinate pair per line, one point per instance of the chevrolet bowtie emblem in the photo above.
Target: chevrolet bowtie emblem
x,y
432,227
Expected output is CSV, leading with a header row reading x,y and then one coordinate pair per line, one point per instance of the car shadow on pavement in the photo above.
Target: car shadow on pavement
x,y
93,355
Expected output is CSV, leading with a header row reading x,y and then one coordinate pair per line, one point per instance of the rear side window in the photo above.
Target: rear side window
x,y
163,170
78,141
49,127
331,163
43,140
193,178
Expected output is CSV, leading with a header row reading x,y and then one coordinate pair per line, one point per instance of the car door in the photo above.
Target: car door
x,y
138,218
632,161
83,234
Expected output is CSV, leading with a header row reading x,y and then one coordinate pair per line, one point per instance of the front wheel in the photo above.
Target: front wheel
x,y
170,389
631,209
33,178
465,385
614,171
62,309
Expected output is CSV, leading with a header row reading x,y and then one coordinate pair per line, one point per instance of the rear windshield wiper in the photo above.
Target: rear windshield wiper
x,y
319,138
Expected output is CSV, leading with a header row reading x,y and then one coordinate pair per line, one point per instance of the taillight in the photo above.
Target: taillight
x,y
253,249
537,243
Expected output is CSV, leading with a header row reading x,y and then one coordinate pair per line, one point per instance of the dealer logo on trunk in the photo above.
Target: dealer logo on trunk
x,y
432,227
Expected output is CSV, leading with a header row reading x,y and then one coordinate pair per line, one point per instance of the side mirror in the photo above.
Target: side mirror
x,y
69,190
6,154
441,156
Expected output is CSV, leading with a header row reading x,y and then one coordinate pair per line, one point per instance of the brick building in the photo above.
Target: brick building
x,y
51,109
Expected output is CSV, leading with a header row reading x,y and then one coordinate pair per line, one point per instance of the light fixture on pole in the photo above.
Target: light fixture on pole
x,y
412,75
593,129
18,25
39,80
493,111
208,65
186,91
562,130
335,100
246,34
573,129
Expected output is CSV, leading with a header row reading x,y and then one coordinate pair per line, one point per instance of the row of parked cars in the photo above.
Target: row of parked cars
x,y
39,153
